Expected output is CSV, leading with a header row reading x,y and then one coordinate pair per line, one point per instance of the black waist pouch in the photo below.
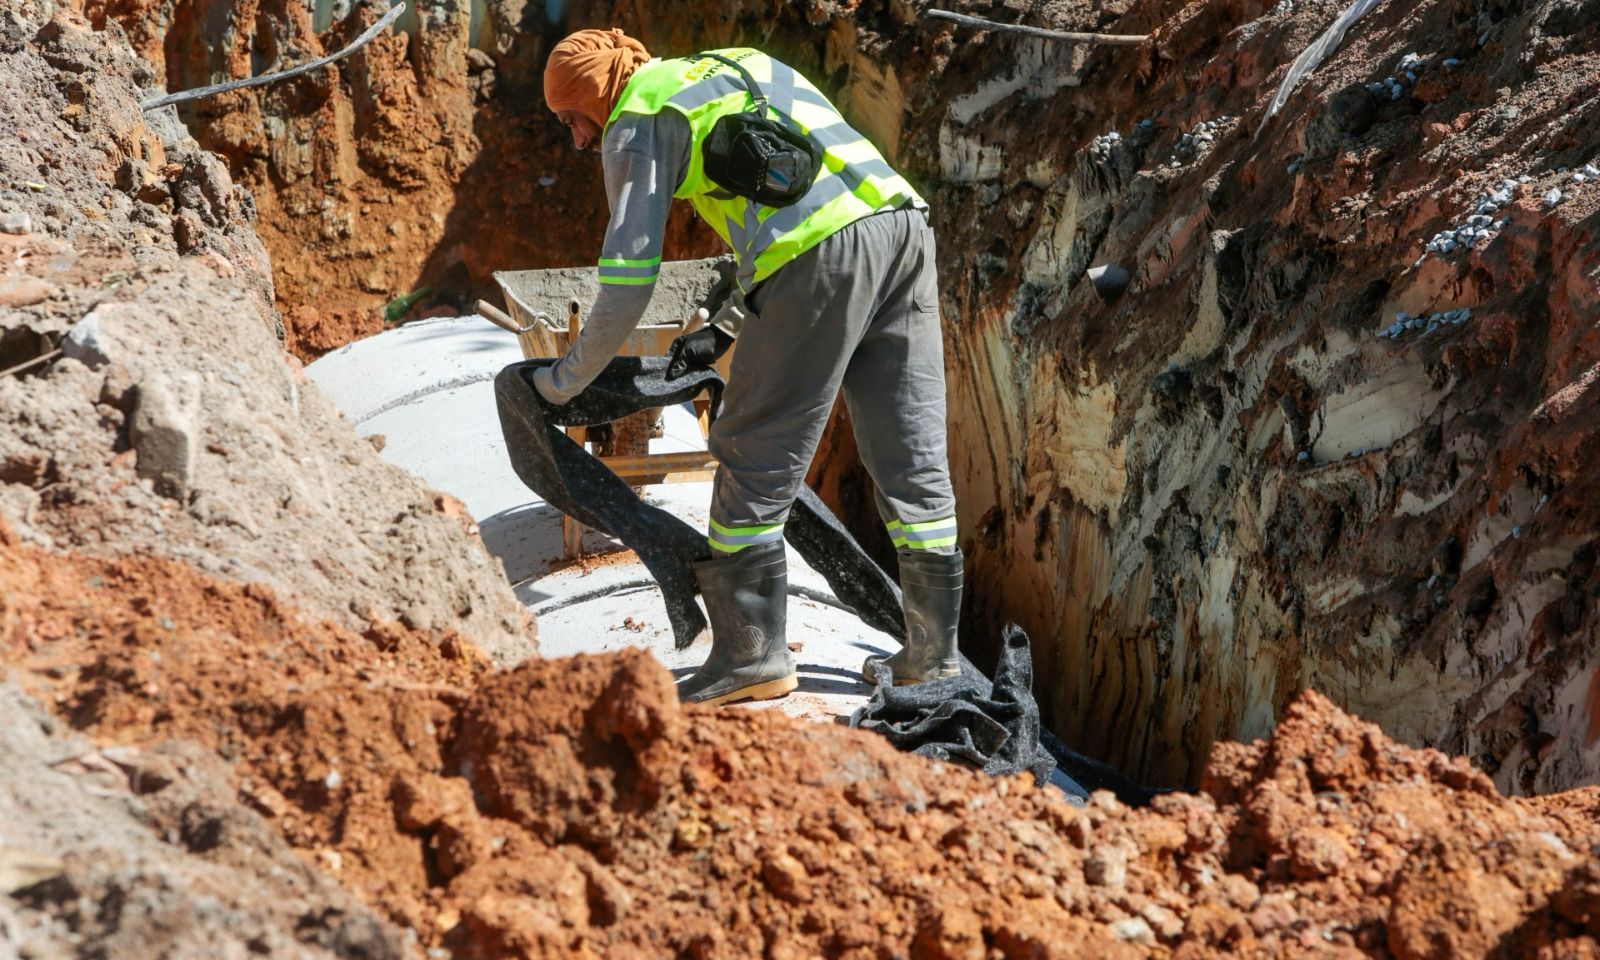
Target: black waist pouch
x,y
758,157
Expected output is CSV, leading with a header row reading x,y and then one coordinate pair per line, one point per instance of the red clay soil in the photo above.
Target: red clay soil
x,y
412,164
572,808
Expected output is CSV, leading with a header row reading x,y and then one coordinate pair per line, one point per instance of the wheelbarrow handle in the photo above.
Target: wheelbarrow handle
x,y
501,319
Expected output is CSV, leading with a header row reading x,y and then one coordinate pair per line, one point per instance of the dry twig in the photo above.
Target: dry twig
x,y
43,358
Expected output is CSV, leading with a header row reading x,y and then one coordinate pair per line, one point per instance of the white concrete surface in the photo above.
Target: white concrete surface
x,y
428,388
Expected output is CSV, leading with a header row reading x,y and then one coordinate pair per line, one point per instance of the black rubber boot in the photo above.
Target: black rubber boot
x,y
930,593
746,596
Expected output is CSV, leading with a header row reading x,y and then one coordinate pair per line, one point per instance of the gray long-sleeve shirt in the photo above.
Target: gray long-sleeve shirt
x,y
644,158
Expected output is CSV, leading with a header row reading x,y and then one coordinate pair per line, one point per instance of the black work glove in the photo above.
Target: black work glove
x,y
698,349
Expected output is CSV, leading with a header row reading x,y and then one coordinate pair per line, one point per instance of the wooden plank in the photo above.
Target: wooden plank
x,y
572,530
702,413
660,462
683,476
571,538
649,341
539,342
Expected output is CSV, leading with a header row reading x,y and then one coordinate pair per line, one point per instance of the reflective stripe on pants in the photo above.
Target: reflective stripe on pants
x,y
927,536
733,539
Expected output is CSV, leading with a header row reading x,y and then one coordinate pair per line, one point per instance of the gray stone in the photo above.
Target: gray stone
x,y
1106,866
166,431
86,343
16,222
1133,930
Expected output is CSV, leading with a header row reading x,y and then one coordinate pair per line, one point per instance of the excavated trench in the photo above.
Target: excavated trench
x,y
227,737
1230,482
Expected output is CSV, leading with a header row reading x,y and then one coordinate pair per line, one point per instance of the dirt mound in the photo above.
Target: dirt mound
x,y
175,424
573,808
139,846
121,852
322,718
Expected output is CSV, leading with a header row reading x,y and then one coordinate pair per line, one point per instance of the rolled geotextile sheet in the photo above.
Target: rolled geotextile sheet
x,y
569,479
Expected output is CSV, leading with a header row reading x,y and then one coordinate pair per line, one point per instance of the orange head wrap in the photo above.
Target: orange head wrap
x,y
588,69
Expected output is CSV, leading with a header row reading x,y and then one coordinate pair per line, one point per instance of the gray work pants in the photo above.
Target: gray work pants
x,y
860,311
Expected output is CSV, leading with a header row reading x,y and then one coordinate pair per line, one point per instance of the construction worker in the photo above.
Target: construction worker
x,y
835,290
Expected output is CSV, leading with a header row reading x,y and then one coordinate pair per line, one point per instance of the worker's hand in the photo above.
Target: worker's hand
x,y
543,388
698,349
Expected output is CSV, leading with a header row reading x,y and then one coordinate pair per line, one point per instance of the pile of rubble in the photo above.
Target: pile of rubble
x,y
573,808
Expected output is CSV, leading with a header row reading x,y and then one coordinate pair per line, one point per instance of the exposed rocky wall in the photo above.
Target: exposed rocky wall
x,y
1240,478
1237,479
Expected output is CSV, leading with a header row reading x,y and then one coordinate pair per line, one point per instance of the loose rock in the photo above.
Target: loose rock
x,y
165,431
19,291
85,343
1133,930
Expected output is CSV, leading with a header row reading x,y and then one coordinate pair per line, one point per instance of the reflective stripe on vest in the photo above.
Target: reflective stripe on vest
x,y
854,180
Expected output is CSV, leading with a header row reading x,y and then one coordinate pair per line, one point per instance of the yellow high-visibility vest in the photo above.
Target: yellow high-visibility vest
x,y
854,180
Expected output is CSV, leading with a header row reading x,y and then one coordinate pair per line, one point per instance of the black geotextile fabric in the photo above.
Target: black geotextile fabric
x,y
991,726
569,479
857,580
1091,774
